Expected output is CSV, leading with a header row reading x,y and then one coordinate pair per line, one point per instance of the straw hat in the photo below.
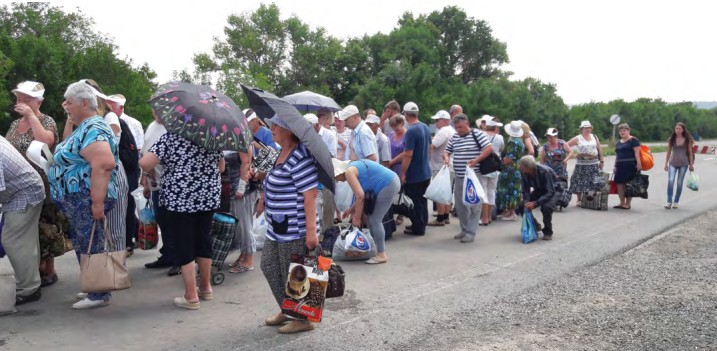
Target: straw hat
x,y
340,167
515,129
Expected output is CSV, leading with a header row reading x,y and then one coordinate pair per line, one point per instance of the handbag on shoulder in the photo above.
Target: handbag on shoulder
x,y
104,271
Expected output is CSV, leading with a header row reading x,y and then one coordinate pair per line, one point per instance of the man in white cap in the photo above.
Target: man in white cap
x,y
384,146
415,169
438,146
259,132
116,103
362,144
21,197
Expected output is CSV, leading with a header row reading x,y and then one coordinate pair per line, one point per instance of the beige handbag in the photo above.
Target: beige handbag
x,y
104,271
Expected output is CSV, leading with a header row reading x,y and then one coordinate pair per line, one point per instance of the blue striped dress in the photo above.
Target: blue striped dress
x,y
283,196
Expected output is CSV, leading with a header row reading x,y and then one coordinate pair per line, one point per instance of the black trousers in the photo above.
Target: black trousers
x,y
131,216
167,250
547,210
419,217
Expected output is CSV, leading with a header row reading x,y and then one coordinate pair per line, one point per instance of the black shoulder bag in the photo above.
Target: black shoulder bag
x,y
489,164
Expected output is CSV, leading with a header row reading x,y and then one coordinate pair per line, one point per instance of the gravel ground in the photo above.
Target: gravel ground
x,y
661,295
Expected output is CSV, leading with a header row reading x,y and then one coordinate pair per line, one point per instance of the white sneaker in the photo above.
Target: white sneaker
x,y
668,205
87,304
81,296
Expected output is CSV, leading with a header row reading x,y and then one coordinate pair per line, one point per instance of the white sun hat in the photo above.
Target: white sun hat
x,y
515,129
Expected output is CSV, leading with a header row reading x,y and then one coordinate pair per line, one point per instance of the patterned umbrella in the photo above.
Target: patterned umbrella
x,y
306,101
266,105
201,114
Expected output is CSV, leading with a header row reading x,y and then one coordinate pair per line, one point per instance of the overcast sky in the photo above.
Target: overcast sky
x,y
592,50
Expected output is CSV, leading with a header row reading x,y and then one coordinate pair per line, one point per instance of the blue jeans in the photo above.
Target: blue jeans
x,y
680,173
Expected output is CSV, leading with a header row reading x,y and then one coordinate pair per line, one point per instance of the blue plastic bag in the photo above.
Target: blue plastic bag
x,y
527,231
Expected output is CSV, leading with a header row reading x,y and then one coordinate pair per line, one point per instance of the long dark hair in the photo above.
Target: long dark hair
x,y
689,141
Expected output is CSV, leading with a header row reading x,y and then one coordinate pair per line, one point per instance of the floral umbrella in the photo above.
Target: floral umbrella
x,y
201,114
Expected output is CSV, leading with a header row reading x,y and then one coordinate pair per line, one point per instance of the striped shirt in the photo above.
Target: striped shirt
x,y
21,186
464,149
284,199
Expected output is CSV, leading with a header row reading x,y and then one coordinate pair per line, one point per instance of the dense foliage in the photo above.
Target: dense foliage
x,y
45,44
436,60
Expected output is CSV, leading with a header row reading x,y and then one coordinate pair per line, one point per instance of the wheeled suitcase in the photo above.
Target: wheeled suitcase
x,y
223,228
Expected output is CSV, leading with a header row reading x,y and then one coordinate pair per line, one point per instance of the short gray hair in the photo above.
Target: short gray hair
x,y
456,108
80,91
528,161
461,117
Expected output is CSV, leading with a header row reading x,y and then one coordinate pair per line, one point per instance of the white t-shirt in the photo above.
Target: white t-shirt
x,y
112,119
154,131
329,138
136,128
384,147
440,141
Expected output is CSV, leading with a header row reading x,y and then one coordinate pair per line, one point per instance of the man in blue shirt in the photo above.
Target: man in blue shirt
x,y
415,169
362,144
260,132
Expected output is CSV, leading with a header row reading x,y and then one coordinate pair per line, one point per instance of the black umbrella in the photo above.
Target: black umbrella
x,y
201,114
267,105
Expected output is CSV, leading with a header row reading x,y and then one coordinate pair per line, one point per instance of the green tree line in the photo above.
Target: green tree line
x,y
43,43
438,59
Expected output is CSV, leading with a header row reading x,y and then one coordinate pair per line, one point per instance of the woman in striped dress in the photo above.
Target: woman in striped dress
x,y
289,200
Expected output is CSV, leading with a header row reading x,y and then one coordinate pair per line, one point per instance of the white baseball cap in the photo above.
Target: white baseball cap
x,y
442,114
585,124
118,98
410,107
30,88
552,132
311,118
348,111
373,119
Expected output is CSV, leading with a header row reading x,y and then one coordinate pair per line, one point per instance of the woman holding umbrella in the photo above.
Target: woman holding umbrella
x,y
290,191
200,122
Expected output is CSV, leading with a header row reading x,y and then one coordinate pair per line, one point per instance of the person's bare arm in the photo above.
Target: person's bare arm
x,y
396,160
312,240
359,196
102,163
637,158
407,155
529,146
569,152
222,165
487,151
38,131
667,160
67,131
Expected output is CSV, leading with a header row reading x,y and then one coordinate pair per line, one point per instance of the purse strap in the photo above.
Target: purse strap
x,y
92,236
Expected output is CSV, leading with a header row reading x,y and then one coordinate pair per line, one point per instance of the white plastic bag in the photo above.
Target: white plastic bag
x,y
139,199
473,193
259,227
353,245
344,196
440,190
7,287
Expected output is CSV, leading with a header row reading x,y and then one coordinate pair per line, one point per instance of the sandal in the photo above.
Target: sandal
x,y
206,296
48,280
436,223
374,260
240,269
236,263
183,303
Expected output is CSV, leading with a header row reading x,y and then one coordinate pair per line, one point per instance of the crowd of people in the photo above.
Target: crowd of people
x,y
104,155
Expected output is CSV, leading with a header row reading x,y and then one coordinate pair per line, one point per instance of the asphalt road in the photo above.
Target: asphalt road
x,y
426,288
